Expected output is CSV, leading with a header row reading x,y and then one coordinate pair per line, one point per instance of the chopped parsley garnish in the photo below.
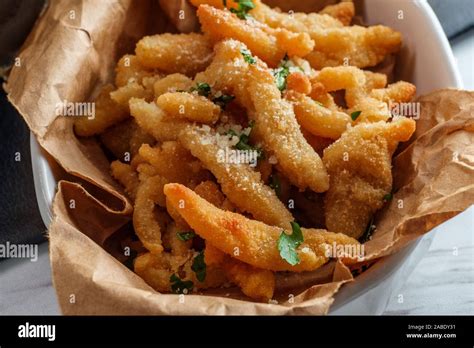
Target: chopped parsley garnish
x,y
287,244
243,143
355,115
202,88
388,197
248,56
281,73
185,236
223,100
179,286
285,68
199,267
244,6
275,184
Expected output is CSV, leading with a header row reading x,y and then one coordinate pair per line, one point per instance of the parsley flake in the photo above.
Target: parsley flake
x,y
355,115
186,235
179,286
248,56
202,88
284,69
287,244
244,6
388,197
199,267
223,100
243,143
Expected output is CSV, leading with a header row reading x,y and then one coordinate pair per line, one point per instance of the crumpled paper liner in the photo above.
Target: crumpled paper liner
x,y
68,58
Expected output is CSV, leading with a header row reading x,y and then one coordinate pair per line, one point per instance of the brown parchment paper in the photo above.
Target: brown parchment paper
x,y
73,49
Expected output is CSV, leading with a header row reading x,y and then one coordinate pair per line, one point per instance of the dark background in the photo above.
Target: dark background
x,y
20,220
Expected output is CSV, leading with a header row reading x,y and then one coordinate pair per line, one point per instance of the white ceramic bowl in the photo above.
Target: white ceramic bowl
x,y
428,62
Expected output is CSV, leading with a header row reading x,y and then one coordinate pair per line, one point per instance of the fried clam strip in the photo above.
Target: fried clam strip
x,y
172,83
107,113
254,241
148,195
331,16
317,119
242,185
359,165
336,44
126,176
175,53
157,269
189,106
373,103
335,16
129,69
355,45
276,125
154,121
175,163
344,12
270,44
275,122
256,283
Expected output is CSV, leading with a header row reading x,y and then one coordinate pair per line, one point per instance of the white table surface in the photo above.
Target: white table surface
x,y
442,283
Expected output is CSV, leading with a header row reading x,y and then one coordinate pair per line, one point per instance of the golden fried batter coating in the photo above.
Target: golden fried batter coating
x,y
213,256
343,11
107,113
372,103
175,163
298,82
254,282
242,185
359,165
211,192
275,122
276,125
177,246
129,70
131,90
398,92
126,176
331,16
358,46
250,241
175,53
172,83
317,119
156,270
299,22
269,44
190,106
336,43
147,228
153,120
